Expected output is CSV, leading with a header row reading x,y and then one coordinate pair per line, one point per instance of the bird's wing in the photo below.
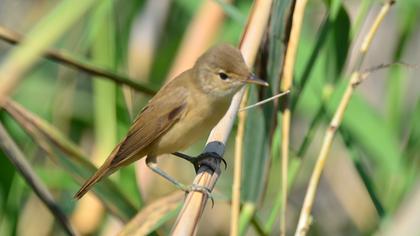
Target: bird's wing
x,y
156,118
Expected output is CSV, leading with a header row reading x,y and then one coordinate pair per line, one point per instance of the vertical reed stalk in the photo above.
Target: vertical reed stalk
x,y
187,221
286,84
355,79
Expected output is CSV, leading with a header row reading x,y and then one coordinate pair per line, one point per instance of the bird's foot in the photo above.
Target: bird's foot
x,y
201,189
206,159
203,159
151,163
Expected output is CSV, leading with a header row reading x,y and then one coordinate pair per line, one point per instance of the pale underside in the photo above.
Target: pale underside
x,y
172,122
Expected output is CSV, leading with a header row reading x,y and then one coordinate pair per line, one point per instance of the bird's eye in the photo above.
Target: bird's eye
x,y
223,76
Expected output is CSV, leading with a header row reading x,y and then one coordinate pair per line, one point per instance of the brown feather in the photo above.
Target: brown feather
x,y
148,127
154,120
183,110
102,172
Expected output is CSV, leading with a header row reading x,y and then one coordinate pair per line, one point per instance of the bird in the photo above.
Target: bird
x,y
184,110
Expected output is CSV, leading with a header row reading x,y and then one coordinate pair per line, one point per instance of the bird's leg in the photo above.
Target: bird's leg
x,y
151,162
202,159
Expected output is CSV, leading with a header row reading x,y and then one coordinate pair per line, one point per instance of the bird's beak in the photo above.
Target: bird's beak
x,y
253,79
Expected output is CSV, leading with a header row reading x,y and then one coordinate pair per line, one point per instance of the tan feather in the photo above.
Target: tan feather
x,y
155,120
102,172
183,111
149,127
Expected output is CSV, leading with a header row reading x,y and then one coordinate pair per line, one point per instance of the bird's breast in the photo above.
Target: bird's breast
x,y
197,122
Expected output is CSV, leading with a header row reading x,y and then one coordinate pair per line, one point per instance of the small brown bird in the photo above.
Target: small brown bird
x,y
183,110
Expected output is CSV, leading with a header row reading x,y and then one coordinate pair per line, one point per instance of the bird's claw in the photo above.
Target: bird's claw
x,y
198,188
203,159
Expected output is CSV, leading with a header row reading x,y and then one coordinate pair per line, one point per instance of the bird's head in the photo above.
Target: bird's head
x,y
222,71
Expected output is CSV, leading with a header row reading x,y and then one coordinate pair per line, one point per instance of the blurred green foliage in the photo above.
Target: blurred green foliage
x,y
381,140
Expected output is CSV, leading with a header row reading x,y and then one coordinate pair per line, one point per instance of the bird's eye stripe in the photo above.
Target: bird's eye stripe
x,y
223,76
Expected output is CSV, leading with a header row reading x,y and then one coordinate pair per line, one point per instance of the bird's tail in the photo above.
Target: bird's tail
x,y
103,171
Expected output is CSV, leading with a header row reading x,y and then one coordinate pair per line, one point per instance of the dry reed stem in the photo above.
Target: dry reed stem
x,y
187,221
286,84
47,137
262,102
355,79
15,155
237,167
63,57
237,170
201,32
145,221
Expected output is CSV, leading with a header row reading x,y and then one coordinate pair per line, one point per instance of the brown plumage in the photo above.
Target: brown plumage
x,y
183,110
